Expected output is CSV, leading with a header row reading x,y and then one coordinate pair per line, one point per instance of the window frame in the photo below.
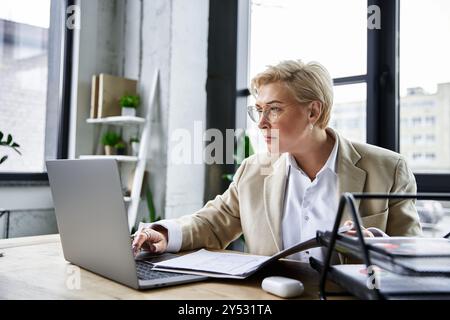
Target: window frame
x,y
60,77
221,84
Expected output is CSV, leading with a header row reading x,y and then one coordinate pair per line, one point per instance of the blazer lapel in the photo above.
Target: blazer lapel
x,y
350,177
274,190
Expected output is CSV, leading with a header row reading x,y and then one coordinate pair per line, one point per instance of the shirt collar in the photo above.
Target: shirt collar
x,y
330,164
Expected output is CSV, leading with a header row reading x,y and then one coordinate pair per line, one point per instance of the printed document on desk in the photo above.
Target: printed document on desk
x,y
214,264
229,265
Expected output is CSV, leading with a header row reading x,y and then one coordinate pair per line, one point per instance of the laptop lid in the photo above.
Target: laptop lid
x,y
91,217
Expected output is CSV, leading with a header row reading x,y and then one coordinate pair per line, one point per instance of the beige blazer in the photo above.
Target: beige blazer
x,y
253,203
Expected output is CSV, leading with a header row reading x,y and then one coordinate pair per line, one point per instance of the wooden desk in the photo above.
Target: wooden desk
x,y
35,268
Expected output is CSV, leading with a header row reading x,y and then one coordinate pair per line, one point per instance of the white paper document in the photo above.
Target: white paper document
x,y
215,264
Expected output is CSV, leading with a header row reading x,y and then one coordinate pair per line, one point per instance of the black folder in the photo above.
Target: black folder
x,y
394,268
401,255
354,279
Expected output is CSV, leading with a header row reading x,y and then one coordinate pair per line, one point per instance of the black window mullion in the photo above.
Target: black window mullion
x,y
12,178
432,182
221,85
242,62
383,77
65,92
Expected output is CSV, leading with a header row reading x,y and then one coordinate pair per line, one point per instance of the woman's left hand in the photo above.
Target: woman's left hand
x,y
352,232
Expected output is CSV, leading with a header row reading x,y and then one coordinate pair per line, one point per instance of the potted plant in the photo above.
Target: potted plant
x,y
134,142
120,148
10,143
110,139
129,103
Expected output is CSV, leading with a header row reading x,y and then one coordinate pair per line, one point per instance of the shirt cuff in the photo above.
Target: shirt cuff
x,y
174,233
377,232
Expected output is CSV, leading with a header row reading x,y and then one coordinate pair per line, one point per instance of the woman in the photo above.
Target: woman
x,y
283,197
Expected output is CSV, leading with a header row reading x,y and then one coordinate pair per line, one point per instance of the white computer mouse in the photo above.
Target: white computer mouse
x,y
282,286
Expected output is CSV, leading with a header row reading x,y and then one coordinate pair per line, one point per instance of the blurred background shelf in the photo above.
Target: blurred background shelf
x,y
117,120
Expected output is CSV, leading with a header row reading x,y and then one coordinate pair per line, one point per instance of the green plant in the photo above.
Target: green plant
x,y
152,217
9,143
119,145
243,150
110,138
130,101
151,206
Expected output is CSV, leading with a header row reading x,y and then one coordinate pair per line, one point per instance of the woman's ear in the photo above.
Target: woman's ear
x,y
315,111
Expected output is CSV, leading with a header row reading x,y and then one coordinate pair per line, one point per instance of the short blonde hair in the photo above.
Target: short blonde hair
x,y
308,82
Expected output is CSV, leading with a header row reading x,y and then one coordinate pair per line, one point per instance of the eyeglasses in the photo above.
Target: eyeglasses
x,y
272,113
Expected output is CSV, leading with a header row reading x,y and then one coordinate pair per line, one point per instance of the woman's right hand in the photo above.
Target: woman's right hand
x,y
150,239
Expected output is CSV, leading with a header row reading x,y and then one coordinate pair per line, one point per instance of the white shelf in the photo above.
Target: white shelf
x,y
136,176
118,158
119,120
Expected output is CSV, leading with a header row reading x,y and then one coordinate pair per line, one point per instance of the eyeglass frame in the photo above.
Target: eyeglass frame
x,y
264,113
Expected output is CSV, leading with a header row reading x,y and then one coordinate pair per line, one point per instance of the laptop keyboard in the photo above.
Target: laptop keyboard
x,y
145,272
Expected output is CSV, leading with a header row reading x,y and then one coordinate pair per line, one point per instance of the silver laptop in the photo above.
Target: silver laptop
x,y
93,225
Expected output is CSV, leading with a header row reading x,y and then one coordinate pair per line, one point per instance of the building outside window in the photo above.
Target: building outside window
x,y
425,82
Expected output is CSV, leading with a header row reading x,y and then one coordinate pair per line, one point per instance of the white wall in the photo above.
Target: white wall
x,y
151,24
188,71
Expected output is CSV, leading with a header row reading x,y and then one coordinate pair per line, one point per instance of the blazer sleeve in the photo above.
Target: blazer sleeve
x,y
218,223
403,219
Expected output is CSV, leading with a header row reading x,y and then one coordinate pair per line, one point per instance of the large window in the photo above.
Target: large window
x,y
331,32
31,42
425,84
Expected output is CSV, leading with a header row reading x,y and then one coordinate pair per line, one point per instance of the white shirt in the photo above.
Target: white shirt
x,y
174,233
309,205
